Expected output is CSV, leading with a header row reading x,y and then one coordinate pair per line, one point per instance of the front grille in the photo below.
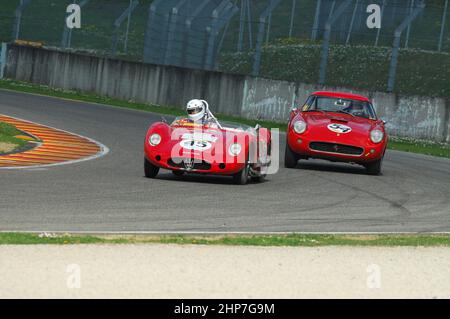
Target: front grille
x,y
336,148
187,164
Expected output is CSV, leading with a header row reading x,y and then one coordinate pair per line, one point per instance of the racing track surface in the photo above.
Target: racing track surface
x,y
111,194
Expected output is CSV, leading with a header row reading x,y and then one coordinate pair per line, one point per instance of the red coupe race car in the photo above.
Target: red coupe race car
x,y
237,150
340,127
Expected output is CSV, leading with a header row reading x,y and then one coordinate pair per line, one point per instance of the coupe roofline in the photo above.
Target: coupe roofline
x,y
342,95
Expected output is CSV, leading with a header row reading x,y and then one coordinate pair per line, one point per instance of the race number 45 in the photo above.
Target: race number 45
x,y
73,20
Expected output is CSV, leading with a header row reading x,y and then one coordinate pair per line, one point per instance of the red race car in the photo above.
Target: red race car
x,y
184,146
340,127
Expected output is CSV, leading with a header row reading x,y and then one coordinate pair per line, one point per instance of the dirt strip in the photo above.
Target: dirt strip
x,y
171,271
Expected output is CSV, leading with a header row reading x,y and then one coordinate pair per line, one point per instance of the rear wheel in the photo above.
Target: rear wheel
x,y
374,168
150,170
290,158
241,178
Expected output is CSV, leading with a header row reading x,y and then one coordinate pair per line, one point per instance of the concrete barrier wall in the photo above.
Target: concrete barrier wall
x,y
268,99
125,80
250,97
406,116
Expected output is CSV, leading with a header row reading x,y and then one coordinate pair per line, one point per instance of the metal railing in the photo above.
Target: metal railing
x,y
196,33
2,59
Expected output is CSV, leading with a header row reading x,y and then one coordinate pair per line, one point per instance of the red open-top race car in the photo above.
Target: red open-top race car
x,y
336,126
221,149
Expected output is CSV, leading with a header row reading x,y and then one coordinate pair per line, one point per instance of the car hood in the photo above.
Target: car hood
x,y
208,132
320,123
204,141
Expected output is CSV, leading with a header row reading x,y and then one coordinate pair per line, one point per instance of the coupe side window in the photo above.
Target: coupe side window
x,y
308,104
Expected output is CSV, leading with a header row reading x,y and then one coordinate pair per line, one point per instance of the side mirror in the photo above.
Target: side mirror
x,y
257,127
384,121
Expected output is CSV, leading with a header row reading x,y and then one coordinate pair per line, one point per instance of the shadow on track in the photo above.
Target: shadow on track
x,y
203,179
324,166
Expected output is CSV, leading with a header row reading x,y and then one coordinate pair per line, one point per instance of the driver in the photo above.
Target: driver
x,y
357,109
199,113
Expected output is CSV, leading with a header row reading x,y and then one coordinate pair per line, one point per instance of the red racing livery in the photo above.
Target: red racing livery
x,y
224,149
339,127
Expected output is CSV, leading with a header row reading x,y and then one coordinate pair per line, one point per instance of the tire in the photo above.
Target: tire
x,y
375,167
178,173
290,158
259,179
241,178
150,170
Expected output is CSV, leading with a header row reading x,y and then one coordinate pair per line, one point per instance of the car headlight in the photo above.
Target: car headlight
x,y
376,136
154,139
299,127
235,149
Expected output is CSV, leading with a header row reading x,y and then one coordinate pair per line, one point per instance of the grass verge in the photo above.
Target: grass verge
x,y
8,142
293,240
420,146
408,145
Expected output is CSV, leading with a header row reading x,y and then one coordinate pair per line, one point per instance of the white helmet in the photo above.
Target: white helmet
x,y
196,109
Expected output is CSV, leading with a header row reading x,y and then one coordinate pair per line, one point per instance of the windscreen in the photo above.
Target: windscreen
x,y
353,107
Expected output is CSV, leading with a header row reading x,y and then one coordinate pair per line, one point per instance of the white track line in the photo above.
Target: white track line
x,y
103,149
219,233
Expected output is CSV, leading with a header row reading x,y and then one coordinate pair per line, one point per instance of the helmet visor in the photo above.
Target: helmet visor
x,y
195,110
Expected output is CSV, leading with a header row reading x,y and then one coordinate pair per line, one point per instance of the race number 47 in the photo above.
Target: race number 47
x,y
73,20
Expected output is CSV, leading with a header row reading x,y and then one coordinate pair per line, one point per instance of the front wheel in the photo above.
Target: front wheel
x,y
178,173
290,158
150,170
375,167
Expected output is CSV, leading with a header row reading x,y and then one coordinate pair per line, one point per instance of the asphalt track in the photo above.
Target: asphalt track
x,y
111,194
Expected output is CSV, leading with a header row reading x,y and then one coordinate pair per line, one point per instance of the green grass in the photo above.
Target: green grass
x,y
421,147
31,239
292,240
7,133
8,129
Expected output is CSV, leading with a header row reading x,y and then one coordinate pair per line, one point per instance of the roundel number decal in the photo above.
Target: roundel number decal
x,y
197,141
195,145
339,128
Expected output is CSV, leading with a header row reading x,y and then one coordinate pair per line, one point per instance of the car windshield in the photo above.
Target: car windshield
x,y
182,120
235,126
353,107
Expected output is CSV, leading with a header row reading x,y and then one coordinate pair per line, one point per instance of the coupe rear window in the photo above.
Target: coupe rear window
x,y
331,104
